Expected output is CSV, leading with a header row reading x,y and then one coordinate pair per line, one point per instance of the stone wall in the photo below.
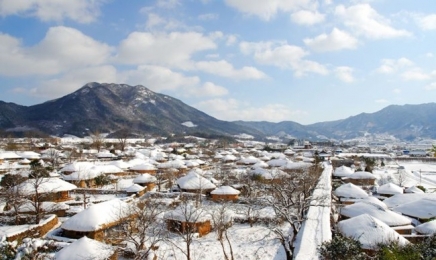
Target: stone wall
x,y
36,230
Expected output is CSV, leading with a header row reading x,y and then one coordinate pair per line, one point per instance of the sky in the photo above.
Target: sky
x,y
306,61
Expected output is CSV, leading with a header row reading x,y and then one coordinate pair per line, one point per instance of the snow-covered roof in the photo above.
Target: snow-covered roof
x,y
225,190
46,206
413,189
400,199
382,213
135,188
143,167
261,164
390,188
428,228
361,175
88,174
277,162
350,190
249,160
44,185
177,164
423,209
85,248
120,164
123,184
193,181
295,165
229,158
187,213
369,231
144,178
343,171
9,155
97,216
76,166
29,155
106,168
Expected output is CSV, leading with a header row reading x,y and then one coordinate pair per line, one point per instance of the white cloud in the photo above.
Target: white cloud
x,y
426,22
158,78
381,101
363,20
389,66
231,39
208,16
336,40
345,74
225,69
429,55
73,80
283,56
415,74
231,109
207,89
154,20
172,49
431,86
266,10
81,11
62,49
168,4
306,17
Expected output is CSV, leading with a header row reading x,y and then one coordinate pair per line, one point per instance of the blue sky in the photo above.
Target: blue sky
x,y
302,60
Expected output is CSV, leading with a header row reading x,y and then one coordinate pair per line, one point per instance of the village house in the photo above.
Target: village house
x,y
86,248
187,218
145,180
225,193
100,221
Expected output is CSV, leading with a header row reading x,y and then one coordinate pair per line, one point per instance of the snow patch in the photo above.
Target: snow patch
x,y
189,124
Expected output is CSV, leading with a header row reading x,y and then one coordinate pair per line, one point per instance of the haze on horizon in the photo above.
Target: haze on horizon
x,y
304,60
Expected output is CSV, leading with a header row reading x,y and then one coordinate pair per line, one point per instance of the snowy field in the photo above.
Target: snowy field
x,y
248,243
414,173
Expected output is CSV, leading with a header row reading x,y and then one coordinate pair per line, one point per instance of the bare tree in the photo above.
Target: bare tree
x,y
54,156
98,140
290,198
145,230
13,197
183,222
222,221
402,177
34,187
123,136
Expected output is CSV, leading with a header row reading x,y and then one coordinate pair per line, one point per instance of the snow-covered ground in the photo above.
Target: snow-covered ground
x,y
248,243
414,173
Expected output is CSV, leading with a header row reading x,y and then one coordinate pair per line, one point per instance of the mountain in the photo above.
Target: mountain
x,y
404,122
282,129
111,107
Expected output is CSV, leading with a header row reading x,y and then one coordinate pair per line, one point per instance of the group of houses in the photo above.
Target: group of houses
x,y
375,211
67,191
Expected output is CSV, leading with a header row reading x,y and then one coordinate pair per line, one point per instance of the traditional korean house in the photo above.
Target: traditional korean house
x,y
187,218
225,193
100,221
86,248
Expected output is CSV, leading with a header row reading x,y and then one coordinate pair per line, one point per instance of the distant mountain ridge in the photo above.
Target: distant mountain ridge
x,y
111,107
